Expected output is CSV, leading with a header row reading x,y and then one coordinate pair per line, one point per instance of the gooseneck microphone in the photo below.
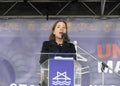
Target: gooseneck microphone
x,y
65,36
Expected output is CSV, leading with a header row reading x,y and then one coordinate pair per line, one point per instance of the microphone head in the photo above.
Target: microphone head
x,y
64,35
74,42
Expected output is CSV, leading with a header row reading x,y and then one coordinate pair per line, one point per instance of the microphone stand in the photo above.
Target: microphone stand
x,y
103,65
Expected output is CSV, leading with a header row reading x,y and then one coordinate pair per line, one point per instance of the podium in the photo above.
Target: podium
x,y
60,71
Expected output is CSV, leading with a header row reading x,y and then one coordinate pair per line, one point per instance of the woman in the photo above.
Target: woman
x,y
58,41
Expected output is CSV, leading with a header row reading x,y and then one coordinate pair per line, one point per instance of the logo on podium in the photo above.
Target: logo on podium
x,y
61,73
61,79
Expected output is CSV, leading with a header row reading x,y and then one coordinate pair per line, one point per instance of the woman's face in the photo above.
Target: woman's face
x,y
59,30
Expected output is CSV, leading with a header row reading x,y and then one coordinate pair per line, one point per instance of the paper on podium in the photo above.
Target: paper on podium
x,y
63,58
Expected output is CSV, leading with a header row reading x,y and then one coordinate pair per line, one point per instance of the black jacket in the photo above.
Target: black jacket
x,y
53,47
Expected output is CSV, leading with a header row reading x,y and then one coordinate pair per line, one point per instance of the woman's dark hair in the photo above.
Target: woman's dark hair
x,y
52,36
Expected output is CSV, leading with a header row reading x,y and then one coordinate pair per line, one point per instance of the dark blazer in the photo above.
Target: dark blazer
x,y
53,47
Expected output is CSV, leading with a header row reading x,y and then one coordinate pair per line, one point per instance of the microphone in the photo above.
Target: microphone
x,y
75,44
79,57
64,36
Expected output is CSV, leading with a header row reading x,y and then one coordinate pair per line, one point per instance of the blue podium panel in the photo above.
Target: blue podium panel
x,y
61,72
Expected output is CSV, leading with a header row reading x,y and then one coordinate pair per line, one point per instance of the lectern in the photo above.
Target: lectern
x,y
60,71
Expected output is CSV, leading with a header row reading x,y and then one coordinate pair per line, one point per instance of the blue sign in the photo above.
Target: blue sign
x,y
61,72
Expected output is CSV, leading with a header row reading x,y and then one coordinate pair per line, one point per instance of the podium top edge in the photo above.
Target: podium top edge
x,y
56,53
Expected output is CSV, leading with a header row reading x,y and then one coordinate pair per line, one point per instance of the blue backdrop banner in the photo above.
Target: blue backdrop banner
x,y
97,40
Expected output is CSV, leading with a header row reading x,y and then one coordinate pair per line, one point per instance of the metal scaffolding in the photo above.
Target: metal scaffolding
x,y
59,8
